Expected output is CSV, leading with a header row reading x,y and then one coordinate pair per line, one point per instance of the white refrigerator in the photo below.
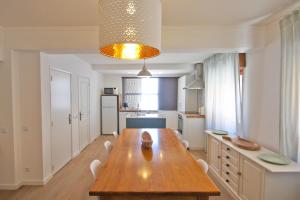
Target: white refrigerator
x,y
109,114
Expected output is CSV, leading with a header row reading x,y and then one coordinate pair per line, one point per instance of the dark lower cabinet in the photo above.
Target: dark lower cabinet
x,y
145,123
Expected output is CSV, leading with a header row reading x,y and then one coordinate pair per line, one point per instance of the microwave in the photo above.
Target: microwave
x,y
110,90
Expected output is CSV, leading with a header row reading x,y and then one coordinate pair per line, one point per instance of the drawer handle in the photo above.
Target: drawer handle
x,y
227,173
219,157
239,173
228,149
227,165
227,157
227,181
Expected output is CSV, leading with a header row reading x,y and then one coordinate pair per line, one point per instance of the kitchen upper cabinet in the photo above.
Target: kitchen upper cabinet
x,y
251,181
214,154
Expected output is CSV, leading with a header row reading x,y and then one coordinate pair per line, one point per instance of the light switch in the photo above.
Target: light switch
x,y
25,129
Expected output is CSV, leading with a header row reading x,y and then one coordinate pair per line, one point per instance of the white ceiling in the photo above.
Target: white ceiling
x,y
156,69
171,64
164,58
175,12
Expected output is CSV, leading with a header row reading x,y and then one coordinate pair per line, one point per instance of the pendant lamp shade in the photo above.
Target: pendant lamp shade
x,y
130,29
144,73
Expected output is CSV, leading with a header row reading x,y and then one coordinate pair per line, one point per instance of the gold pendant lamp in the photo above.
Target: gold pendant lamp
x,y
130,29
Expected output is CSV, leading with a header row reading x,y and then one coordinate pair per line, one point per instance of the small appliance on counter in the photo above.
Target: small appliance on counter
x,y
110,91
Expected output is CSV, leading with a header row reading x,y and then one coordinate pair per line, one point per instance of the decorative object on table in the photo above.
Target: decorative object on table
x,y
147,153
130,29
243,143
144,73
146,140
275,159
219,132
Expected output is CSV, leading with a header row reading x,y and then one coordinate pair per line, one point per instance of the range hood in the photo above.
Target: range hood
x,y
197,83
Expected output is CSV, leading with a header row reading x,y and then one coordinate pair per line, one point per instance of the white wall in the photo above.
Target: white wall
x,y
27,116
81,39
77,68
192,38
262,90
113,81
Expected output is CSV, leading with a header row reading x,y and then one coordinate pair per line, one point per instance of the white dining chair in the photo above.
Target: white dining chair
x,y
108,146
203,164
115,133
94,167
177,134
186,144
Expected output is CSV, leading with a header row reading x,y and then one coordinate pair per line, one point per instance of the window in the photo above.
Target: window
x,y
141,93
150,93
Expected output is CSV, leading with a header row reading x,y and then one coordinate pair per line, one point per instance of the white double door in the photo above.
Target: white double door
x,y
61,119
84,112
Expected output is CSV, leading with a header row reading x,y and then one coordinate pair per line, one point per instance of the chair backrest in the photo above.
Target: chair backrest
x,y
185,144
177,133
203,164
94,166
115,134
108,146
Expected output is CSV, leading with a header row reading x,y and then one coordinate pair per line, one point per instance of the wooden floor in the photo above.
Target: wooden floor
x,y
75,178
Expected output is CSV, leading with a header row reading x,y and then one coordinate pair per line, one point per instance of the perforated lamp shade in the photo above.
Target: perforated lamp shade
x,y
130,29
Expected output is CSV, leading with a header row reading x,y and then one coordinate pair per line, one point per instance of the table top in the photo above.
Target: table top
x,y
168,168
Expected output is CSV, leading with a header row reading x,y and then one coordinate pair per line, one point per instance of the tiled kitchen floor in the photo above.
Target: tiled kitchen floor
x,y
74,180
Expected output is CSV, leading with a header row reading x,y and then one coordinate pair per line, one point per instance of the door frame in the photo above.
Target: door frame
x,y
89,100
51,121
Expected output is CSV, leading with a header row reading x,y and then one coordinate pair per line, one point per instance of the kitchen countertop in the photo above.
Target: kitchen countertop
x,y
148,116
192,114
135,110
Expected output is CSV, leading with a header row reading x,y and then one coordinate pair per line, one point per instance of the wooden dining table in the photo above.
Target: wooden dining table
x,y
165,171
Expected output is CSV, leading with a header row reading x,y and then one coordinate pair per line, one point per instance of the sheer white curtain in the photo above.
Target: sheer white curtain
x,y
222,93
290,86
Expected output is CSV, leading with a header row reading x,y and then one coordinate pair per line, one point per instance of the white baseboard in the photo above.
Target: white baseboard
x,y
75,154
10,186
47,179
25,182
33,182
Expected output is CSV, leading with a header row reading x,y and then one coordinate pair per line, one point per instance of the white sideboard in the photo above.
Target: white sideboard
x,y
246,177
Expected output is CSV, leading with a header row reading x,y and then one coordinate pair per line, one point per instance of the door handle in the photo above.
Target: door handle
x,y
70,119
80,116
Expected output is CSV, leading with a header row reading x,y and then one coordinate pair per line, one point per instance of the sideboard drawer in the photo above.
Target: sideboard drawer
x,y
230,158
230,151
231,175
